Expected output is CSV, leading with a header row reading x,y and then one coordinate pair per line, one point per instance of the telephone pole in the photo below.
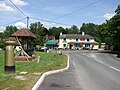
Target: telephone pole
x,y
27,23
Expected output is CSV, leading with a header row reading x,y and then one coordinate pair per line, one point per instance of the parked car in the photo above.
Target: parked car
x,y
43,49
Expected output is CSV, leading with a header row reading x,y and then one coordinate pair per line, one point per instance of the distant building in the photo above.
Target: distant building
x,y
77,41
49,38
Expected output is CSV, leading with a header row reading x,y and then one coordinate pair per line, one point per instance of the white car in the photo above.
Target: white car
x,y
18,48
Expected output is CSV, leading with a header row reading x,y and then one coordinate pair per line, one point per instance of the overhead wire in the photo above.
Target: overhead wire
x,y
37,18
12,22
76,10
54,18
18,8
50,21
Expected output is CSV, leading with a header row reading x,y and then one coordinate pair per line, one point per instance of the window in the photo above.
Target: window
x,y
64,45
77,39
64,39
82,39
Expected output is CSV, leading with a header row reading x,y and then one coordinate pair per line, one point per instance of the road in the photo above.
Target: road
x,y
88,71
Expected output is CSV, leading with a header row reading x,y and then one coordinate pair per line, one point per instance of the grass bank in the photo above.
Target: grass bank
x,y
48,61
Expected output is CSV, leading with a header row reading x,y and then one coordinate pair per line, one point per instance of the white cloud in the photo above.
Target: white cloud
x,y
2,29
6,8
49,25
108,16
20,2
20,25
61,10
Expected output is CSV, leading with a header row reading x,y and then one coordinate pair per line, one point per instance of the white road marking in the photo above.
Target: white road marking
x,y
114,68
73,63
100,61
108,65
104,63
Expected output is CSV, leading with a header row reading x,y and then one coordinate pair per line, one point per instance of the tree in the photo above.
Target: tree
x,y
89,28
54,31
93,30
1,40
114,29
9,31
103,33
73,30
40,31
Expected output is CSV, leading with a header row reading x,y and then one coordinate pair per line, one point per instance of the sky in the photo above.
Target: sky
x,y
56,13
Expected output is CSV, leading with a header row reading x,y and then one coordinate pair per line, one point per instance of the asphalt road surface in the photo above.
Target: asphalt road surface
x,y
88,71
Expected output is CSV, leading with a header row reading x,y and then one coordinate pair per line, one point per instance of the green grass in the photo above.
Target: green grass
x,y
47,62
1,62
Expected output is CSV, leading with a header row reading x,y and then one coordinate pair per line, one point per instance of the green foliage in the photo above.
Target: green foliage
x,y
9,31
54,31
40,31
73,30
114,29
103,33
1,41
90,29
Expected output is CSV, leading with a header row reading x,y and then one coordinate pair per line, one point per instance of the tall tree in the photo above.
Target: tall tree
x,y
9,31
89,28
114,29
93,30
54,31
73,30
103,33
40,31
1,40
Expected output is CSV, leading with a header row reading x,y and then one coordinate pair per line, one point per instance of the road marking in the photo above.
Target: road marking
x,y
108,65
114,68
73,63
104,64
100,61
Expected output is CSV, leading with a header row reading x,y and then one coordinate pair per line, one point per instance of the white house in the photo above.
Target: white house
x,y
77,41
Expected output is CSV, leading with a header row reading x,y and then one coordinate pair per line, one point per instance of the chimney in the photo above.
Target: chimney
x,y
83,33
60,33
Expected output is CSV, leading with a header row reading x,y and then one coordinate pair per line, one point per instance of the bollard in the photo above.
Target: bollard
x,y
47,51
38,60
9,57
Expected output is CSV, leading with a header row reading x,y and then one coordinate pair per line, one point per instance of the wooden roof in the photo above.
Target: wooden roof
x,y
24,33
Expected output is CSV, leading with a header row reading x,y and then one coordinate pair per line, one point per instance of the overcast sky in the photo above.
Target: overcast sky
x,y
70,12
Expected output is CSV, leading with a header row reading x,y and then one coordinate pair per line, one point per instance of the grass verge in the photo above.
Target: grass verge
x,y
48,61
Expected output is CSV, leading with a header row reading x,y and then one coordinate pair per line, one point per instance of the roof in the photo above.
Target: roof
x,y
83,42
76,36
12,39
50,37
24,32
51,42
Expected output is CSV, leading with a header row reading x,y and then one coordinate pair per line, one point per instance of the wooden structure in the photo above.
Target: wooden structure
x,y
24,36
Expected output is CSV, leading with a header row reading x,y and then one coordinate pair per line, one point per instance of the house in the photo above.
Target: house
x,y
77,41
47,37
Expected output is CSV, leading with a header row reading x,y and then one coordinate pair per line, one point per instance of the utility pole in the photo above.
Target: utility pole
x,y
27,23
